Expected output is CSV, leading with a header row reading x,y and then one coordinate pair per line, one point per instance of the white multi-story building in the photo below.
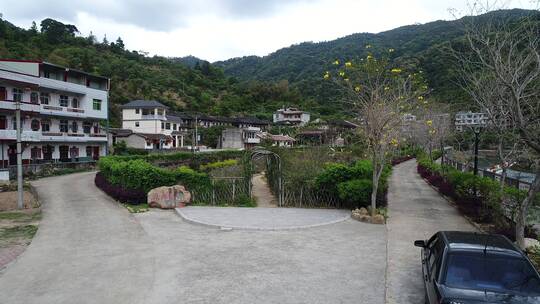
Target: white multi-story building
x,y
61,112
240,138
470,119
291,116
152,126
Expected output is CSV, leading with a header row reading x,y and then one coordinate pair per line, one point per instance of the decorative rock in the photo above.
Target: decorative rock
x,y
378,219
363,211
168,197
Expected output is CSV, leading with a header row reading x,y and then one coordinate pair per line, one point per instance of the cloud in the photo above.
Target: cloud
x,y
156,15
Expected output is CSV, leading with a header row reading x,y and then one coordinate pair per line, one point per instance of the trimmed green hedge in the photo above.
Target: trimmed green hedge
x,y
353,184
140,174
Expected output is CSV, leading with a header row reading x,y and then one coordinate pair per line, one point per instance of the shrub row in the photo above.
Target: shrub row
x,y
119,193
353,184
219,164
476,197
195,160
141,175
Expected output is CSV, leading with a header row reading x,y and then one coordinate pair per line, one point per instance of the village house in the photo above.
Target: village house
x,y
291,116
148,124
469,119
61,113
240,138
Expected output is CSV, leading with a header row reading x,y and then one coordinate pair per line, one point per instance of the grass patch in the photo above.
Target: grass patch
x,y
25,231
13,215
137,208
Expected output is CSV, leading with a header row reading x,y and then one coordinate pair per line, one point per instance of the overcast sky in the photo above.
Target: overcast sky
x,y
221,29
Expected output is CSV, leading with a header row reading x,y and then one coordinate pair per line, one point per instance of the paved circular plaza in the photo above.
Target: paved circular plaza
x,y
262,218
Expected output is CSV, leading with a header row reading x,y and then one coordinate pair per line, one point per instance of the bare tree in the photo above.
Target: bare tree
x,y
500,67
379,93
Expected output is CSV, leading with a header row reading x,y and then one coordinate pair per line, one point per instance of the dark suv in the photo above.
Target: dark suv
x,y
467,268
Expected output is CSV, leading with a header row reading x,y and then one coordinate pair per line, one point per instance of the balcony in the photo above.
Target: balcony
x,y
32,136
72,137
25,106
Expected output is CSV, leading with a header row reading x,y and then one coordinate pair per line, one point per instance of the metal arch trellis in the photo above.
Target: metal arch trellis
x,y
259,153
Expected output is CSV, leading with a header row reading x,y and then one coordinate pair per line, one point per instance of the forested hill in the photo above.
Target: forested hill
x,y
183,83
422,45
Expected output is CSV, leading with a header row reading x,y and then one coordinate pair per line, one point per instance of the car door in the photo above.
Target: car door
x,y
432,265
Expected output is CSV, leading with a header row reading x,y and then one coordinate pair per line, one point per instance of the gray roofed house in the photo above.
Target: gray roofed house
x,y
143,104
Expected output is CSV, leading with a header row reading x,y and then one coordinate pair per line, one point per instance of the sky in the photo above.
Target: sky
x,y
221,29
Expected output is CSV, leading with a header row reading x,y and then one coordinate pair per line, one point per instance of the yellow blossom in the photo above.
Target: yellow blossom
x,y
420,97
346,79
369,57
386,88
357,89
396,71
336,62
432,131
394,142
368,46
341,73
391,50
326,76
348,64
429,123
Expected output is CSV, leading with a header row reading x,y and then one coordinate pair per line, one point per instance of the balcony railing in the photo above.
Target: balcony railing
x,y
25,135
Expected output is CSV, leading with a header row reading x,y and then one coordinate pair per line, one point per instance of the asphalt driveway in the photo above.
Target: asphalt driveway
x,y
416,212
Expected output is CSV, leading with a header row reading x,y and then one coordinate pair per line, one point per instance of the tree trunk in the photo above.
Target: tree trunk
x,y
524,211
375,182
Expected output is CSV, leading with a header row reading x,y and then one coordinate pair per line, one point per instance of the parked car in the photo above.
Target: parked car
x,y
467,268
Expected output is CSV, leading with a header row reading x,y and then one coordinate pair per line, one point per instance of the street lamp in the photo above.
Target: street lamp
x,y
476,130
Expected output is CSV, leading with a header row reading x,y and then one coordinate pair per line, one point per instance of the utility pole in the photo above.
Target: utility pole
x,y
196,133
20,199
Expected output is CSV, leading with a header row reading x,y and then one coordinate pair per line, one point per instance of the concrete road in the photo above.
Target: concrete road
x,y
416,212
88,249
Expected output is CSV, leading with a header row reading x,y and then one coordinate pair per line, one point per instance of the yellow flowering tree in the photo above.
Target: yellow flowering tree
x,y
378,93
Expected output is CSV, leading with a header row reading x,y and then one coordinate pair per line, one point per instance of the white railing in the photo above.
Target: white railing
x,y
25,135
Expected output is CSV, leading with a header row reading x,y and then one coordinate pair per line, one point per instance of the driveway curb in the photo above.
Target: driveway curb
x,y
188,219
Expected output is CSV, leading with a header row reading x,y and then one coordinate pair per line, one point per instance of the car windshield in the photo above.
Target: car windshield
x,y
491,271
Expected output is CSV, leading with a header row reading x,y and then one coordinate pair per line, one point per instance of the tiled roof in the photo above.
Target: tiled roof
x,y
143,104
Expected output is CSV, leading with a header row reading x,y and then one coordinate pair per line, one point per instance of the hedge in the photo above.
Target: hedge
x,y
475,196
141,175
195,160
130,196
353,184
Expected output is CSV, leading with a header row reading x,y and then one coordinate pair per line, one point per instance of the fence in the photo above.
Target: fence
x,y
509,180
222,191
308,197
48,168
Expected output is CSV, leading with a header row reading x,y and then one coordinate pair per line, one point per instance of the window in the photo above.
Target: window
x,y
145,112
168,126
35,153
45,126
17,94
63,101
34,97
73,152
499,273
46,74
136,124
137,111
96,128
87,126
159,111
96,105
174,126
74,103
3,122
34,125
89,151
44,98
74,127
162,125
63,126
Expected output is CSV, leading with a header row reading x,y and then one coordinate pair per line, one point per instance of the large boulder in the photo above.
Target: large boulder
x,y
168,197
